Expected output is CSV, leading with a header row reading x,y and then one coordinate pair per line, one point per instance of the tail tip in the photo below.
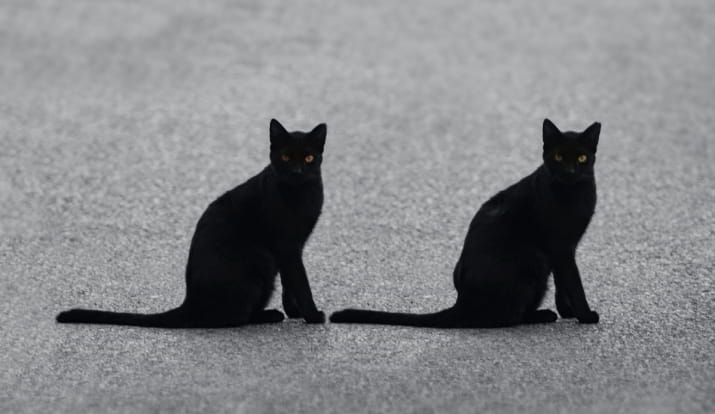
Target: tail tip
x,y
61,317
65,316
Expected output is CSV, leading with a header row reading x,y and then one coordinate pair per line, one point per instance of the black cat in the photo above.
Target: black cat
x,y
243,239
515,241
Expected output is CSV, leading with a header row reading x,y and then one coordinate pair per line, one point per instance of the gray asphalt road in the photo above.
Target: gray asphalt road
x,y
121,121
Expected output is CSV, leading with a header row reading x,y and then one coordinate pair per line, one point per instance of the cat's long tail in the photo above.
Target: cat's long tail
x,y
448,318
175,318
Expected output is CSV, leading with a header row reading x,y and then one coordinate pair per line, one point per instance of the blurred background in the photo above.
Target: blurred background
x,y
121,120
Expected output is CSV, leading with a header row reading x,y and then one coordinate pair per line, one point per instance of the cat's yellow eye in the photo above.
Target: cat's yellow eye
x,y
309,158
558,157
582,158
284,157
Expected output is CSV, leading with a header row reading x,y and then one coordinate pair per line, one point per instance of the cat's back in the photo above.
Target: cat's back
x,y
507,205
235,210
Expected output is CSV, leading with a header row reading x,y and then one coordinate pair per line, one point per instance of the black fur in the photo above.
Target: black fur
x,y
517,238
242,240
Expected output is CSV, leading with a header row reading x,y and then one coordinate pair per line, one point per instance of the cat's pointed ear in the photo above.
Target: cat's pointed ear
x,y
278,133
551,133
591,134
317,136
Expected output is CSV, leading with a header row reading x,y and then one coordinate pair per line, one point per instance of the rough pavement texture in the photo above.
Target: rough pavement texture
x,y
121,121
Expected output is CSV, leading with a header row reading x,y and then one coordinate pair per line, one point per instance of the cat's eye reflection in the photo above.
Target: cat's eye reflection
x,y
582,158
285,157
558,157
309,158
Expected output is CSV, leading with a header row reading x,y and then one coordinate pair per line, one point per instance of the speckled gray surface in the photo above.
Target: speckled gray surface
x,y
121,121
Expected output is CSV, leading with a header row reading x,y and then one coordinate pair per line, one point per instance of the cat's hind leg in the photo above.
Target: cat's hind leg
x,y
225,304
540,316
488,308
267,316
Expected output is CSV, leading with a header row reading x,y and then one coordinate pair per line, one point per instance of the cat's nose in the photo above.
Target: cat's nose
x,y
296,170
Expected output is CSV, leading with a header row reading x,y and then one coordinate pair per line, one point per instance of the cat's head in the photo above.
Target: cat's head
x,y
569,156
296,156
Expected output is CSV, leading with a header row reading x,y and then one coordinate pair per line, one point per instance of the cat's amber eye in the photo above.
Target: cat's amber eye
x,y
582,158
309,158
558,157
284,157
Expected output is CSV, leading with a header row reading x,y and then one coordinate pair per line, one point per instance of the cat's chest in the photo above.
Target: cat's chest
x,y
294,218
567,221
297,220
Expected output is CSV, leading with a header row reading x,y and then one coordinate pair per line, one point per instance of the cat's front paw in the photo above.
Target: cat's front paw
x,y
589,317
317,317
